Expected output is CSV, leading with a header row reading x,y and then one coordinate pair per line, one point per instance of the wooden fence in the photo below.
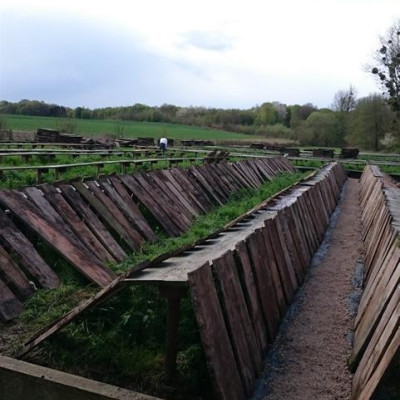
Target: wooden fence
x,y
95,222
377,332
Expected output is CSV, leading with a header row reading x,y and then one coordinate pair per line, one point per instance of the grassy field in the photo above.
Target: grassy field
x,y
118,128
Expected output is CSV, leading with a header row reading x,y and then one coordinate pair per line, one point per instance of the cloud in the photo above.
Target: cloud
x,y
207,40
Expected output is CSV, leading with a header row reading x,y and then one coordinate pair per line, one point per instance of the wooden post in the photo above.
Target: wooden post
x,y
38,173
173,294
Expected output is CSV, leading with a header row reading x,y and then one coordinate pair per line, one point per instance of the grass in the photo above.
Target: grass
x,y
122,341
113,128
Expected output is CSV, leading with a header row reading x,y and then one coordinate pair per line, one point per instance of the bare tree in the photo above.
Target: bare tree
x,y
387,66
345,100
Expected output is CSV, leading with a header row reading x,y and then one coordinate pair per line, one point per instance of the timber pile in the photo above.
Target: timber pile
x,y
53,136
325,153
377,333
81,221
349,152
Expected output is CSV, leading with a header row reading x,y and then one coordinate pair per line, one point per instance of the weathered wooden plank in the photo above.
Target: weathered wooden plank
x,y
16,243
252,296
265,285
192,188
152,206
216,343
244,342
93,222
87,237
170,207
180,205
276,259
81,260
120,196
108,212
373,311
208,185
13,277
10,306
179,191
284,260
270,262
116,213
379,342
387,357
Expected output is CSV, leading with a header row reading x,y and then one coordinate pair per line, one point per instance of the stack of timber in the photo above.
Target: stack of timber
x,y
242,281
349,152
95,222
377,332
325,153
44,135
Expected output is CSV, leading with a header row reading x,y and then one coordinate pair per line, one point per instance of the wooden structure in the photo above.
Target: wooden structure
x,y
377,332
95,222
241,281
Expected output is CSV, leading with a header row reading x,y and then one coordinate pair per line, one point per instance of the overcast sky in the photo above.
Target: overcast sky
x,y
212,53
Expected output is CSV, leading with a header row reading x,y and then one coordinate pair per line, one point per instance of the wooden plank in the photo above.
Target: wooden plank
x,y
10,306
16,243
116,213
87,237
252,296
13,277
178,190
207,187
379,342
81,260
269,257
37,197
244,341
373,312
121,196
284,259
151,204
108,213
265,285
179,202
277,262
168,205
290,246
216,343
92,221
193,189
385,361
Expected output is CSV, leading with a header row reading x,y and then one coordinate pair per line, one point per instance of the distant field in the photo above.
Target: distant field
x,y
120,128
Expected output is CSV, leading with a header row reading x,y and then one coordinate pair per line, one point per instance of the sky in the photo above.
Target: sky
x,y
210,53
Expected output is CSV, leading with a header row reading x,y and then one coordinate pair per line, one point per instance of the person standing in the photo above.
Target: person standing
x,y
163,144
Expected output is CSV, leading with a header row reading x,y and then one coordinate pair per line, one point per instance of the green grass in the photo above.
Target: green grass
x,y
122,341
114,128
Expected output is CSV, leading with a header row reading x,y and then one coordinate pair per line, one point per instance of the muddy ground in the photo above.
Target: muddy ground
x,y
308,358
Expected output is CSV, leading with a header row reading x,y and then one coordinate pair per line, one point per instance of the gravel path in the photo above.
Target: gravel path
x,y
308,358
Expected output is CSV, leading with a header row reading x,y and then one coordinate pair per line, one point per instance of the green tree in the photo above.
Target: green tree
x,y
370,122
322,128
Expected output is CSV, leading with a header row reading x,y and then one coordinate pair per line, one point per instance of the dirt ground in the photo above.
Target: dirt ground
x,y
308,358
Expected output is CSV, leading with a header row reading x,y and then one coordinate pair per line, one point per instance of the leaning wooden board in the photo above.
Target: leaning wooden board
x,y
80,259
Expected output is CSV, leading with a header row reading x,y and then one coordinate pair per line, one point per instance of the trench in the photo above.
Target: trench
x,y
308,359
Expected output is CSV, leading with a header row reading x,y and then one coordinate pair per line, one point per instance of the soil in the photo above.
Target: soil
x,y
308,358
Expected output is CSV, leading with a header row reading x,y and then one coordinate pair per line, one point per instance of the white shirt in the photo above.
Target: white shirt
x,y
164,140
